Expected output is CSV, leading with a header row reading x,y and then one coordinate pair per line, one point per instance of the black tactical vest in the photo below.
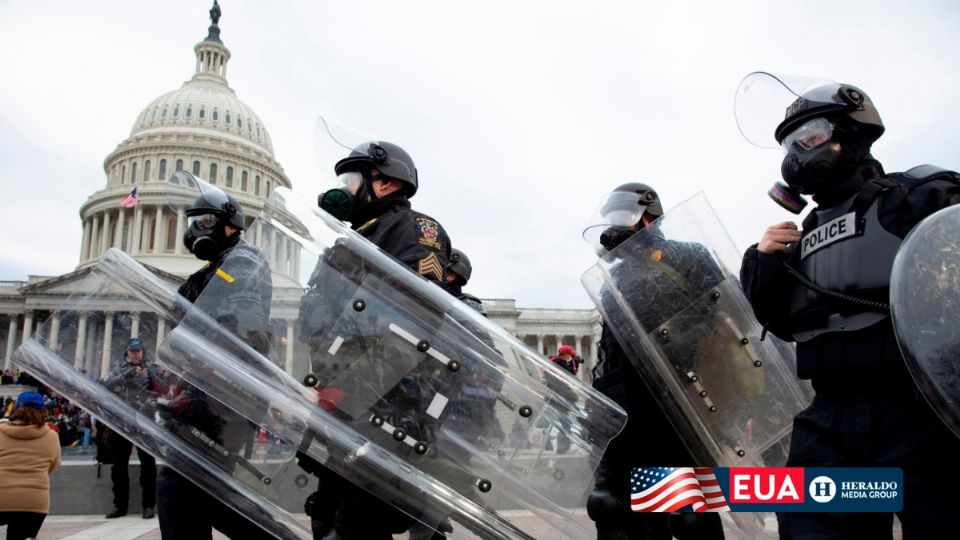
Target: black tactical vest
x,y
844,249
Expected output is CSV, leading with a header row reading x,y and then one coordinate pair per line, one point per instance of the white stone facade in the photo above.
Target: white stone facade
x,y
203,128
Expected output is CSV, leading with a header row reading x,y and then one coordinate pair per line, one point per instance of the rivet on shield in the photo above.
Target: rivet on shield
x,y
744,341
399,434
483,485
715,295
267,480
758,363
692,377
310,380
376,420
421,448
713,408
703,393
423,346
741,453
301,480
453,365
525,411
359,304
558,474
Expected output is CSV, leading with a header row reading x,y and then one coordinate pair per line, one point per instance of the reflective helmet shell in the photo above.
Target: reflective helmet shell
x,y
648,197
460,264
213,200
838,102
392,161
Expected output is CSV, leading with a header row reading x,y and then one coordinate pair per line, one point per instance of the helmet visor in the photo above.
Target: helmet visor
x,y
202,221
617,209
762,101
811,134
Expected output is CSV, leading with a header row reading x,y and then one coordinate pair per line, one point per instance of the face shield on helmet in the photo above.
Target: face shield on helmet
x,y
617,217
802,115
353,160
208,210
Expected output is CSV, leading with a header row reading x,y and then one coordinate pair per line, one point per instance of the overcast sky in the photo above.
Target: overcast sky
x,y
519,114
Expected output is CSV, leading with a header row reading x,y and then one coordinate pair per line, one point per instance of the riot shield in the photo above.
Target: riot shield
x,y
925,306
81,353
672,299
411,393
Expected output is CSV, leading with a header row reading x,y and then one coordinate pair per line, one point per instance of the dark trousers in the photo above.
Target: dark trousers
x,y
22,525
187,512
877,432
120,476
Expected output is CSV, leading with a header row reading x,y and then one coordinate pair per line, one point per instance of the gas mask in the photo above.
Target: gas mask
x,y
351,193
817,161
614,236
205,236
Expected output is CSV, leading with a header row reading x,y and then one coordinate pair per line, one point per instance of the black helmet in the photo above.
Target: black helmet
x,y
648,197
213,200
392,161
460,265
841,102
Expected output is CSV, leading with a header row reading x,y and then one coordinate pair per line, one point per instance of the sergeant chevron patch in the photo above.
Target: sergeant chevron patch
x,y
431,265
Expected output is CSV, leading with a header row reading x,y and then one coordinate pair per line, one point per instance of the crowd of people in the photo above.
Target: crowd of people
x,y
73,425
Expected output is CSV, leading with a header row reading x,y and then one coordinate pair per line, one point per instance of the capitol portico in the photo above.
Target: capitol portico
x,y
202,127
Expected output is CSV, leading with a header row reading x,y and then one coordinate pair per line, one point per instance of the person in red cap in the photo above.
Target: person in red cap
x,y
567,358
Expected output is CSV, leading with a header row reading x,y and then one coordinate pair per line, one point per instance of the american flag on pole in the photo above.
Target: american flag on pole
x,y
130,200
669,489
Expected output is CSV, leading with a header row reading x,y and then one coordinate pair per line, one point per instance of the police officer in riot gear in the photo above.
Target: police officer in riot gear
x,y
825,287
137,382
458,274
649,438
238,289
376,181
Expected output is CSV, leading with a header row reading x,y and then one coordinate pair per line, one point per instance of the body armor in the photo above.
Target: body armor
x,y
832,255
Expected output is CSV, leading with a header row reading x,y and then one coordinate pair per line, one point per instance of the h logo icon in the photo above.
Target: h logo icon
x,y
822,489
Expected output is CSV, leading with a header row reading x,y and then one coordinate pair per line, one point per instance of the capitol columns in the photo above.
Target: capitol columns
x,y
78,355
54,331
27,325
161,331
118,236
134,324
85,241
107,334
105,233
157,228
11,340
289,351
181,227
137,228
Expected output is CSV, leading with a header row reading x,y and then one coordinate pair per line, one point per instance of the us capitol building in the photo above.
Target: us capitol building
x,y
204,128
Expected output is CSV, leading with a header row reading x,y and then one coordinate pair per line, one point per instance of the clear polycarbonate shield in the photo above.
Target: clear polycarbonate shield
x,y
762,100
671,297
412,395
80,352
925,306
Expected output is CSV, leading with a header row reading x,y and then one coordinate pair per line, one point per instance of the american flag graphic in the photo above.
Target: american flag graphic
x,y
669,489
130,200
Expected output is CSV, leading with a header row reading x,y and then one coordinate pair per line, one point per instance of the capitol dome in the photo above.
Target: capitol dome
x,y
201,127
204,103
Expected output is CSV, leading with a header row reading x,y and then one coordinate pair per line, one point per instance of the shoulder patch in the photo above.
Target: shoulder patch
x,y
430,265
429,233
225,276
